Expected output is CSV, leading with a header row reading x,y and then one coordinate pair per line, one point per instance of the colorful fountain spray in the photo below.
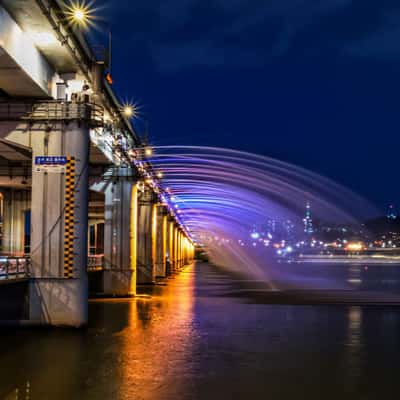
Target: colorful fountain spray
x,y
220,195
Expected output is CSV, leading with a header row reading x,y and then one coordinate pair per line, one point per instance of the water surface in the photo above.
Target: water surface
x,y
199,337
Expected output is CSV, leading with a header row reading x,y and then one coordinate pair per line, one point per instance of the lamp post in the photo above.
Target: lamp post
x,y
80,14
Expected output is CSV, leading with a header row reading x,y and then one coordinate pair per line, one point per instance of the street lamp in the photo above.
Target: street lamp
x,y
128,111
80,13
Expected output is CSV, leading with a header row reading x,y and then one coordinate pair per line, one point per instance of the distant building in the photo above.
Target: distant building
x,y
289,229
391,212
308,223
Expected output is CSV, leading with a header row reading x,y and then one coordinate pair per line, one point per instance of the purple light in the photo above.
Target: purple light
x,y
226,193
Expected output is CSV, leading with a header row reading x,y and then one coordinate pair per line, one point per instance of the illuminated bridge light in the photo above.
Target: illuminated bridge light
x,y
81,13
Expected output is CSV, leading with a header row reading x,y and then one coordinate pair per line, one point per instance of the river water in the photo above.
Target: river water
x,y
206,336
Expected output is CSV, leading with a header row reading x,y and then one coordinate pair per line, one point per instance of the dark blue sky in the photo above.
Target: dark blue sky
x,y
315,83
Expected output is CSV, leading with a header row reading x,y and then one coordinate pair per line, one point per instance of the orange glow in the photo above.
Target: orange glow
x,y
355,246
171,242
164,324
81,13
154,234
109,79
133,237
164,238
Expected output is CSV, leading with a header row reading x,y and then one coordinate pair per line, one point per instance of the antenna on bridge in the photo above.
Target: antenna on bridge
x,y
109,59
110,52
145,140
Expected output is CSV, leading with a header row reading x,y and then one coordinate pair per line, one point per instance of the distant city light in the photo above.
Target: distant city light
x,y
356,246
255,235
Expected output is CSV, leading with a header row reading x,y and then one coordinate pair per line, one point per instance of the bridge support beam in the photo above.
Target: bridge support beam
x,y
186,252
120,234
58,291
161,246
177,257
170,246
174,247
184,258
180,258
16,204
147,225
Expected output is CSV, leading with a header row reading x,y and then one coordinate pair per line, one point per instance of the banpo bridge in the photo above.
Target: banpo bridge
x,y
80,202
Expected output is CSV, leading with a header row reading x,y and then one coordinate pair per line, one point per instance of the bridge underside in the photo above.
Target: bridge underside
x,y
72,201
122,237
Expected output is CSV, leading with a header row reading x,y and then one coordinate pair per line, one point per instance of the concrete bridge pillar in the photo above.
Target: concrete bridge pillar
x,y
175,249
58,292
185,258
171,240
178,253
16,222
169,244
181,263
120,234
161,245
146,244
187,251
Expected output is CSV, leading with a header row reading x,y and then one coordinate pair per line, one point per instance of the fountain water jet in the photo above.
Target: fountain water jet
x,y
220,194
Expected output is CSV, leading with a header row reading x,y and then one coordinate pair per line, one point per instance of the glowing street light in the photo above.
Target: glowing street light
x,y
357,246
160,174
148,151
81,13
128,111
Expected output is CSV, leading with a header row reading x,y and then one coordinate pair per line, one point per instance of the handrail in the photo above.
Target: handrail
x,y
51,110
19,267
14,267
95,262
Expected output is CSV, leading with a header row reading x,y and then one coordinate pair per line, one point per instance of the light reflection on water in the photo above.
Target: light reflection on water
x,y
192,341
354,341
156,346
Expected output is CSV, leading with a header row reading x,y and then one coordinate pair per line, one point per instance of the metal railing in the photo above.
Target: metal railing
x,y
95,262
14,267
43,111
19,267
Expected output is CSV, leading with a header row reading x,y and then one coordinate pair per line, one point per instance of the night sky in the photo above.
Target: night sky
x,y
315,83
